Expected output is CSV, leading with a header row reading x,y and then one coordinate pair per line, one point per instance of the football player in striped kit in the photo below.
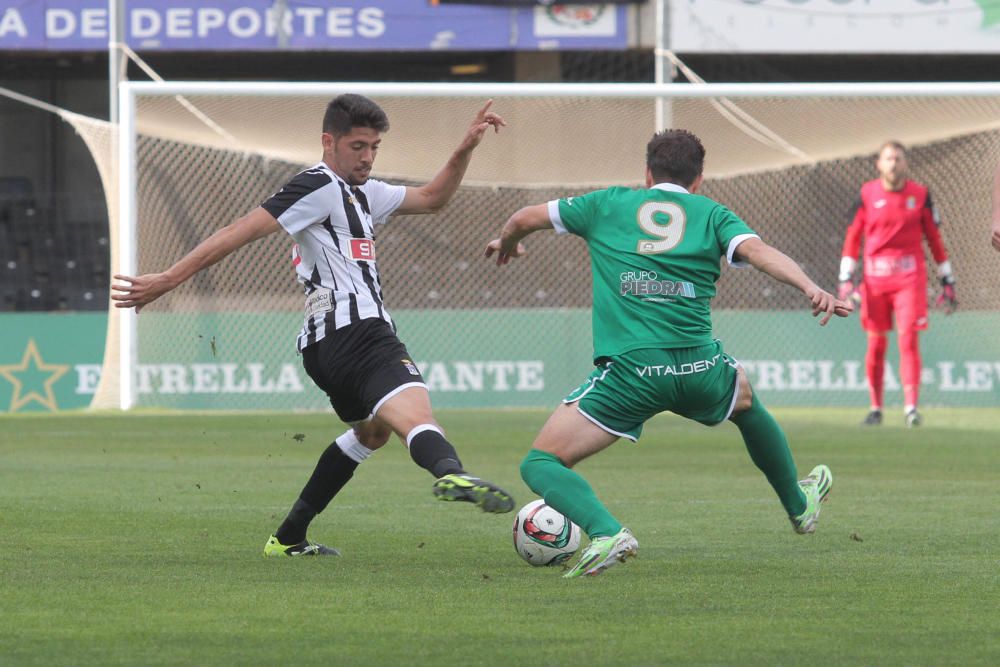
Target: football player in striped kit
x,y
348,340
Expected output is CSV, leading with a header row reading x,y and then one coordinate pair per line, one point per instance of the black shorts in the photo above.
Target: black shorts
x,y
359,366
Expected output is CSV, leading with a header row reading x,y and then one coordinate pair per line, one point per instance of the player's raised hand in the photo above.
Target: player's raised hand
x,y
483,121
827,304
139,290
504,252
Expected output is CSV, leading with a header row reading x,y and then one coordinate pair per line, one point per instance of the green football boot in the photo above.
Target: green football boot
x,y
275,549
603,552
487,496
816,487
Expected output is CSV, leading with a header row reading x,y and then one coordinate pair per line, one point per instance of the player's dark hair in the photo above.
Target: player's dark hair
x,y
345,112
675,156
895,144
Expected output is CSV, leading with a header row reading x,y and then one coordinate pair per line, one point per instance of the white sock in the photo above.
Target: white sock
x,y
417,430
352,447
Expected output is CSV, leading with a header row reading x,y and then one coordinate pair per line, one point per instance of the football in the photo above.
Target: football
x,y
543,536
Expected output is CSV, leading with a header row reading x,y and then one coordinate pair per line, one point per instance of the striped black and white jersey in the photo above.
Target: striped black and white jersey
x,y
334,254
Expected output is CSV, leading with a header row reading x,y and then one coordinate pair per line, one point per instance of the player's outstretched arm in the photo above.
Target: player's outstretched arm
x,y
146,288
433,196
524,221
781,267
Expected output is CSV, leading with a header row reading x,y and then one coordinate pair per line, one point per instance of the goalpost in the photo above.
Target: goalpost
x,y
788,158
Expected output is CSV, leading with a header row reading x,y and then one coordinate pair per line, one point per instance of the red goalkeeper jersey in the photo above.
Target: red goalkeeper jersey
x,y
893,224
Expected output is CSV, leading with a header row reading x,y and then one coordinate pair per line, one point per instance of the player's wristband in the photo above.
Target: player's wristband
x,y
945,274
847,266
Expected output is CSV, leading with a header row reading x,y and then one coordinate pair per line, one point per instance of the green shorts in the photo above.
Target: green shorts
x,y
624,391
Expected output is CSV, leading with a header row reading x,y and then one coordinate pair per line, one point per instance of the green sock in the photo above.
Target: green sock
x,y
769,450
567,492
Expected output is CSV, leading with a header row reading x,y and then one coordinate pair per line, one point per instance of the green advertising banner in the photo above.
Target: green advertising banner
x,y
482,358
791,360
534,357
487,358
50,361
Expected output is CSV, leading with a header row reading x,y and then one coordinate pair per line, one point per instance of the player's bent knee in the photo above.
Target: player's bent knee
x,y
744,396
372,434
526,468
533,465
909,339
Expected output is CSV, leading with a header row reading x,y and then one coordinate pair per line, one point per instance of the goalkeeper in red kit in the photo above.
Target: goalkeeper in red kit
x,y
893,216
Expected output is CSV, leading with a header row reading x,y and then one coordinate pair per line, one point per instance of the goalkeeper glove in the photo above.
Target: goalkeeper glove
x,y
948,298
845,290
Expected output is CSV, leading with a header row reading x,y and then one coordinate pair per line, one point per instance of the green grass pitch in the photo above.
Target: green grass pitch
x,y
136,540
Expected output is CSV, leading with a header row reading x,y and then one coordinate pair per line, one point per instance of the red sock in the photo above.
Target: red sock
x,y
910,366
875,367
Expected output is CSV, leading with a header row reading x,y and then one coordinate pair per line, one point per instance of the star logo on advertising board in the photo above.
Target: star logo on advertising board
x,y
32,379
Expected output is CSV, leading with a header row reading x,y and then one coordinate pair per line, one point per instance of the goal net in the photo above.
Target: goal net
x,y
789,159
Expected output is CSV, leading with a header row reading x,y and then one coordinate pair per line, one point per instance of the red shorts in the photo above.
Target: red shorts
x,y
907,300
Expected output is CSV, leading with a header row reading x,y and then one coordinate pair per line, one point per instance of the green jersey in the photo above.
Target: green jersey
x,y
655,257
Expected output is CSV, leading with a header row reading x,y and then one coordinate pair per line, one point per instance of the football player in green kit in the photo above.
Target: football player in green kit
x,y
655,255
